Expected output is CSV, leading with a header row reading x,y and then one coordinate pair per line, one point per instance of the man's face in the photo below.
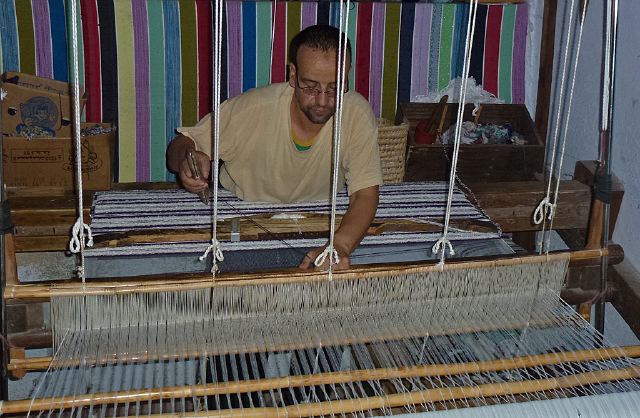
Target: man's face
x,y
314,81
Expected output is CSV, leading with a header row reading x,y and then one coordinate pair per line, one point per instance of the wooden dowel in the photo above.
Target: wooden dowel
x,y
19,365
204,281
342,406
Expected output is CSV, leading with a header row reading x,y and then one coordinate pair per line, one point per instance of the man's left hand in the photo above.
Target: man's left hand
x,y
310,258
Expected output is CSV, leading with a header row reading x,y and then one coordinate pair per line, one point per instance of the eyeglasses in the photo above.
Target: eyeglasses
x,y
315,91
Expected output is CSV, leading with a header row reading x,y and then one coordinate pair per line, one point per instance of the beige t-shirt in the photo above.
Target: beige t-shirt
x,y
261,162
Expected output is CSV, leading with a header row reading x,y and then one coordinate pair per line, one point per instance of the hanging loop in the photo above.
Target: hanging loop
x,y
80,232
545,208
216,249
320,259
441,245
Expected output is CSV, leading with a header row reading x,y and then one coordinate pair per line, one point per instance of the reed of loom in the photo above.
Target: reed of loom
x,y
203,281
19,365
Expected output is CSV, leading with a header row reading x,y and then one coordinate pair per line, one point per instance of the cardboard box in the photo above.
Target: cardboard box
x,y
36,106
476,162
49,162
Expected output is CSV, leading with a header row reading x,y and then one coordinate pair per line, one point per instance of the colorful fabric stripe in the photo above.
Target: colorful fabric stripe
x,y
142,82
308,14
248,45
506,52
519,54
279,53
459,38
109,65
434,47
93,74
323,13
173,71
351,34
59,39
42,29
234,45
189,61
390,72
420,50
446,39
147,64
157,91
363,49
126,89
9,36
263,43
377,58
294,22
24,17
205,64
477,51
492,49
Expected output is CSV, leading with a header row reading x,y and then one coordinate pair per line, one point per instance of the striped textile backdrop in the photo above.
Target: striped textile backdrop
x,y
146,64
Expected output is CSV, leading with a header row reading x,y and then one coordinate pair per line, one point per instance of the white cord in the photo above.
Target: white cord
x,y
322,257
215,248
566,124
337,128
444,241
556,128
544,210
81,236
77,240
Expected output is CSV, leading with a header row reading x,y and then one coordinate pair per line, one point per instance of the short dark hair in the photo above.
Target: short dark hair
x,y
323,37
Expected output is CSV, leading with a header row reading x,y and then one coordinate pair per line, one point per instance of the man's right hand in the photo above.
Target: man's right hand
x,y
186,177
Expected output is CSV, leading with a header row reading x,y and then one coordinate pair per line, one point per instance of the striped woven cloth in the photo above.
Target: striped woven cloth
x,y
149,210
146,64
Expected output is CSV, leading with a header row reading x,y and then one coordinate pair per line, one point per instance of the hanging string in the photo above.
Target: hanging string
x,y
215,248
546,209
343,27
81,232
566,123
443,243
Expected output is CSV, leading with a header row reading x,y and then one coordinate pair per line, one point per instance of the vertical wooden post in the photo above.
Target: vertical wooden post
x,y
545,71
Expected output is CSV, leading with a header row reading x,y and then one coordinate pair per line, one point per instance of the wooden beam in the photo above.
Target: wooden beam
x,y
627,299
512,204
545,70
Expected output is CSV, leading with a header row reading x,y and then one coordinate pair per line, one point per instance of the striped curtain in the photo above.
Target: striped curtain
x,y
146,64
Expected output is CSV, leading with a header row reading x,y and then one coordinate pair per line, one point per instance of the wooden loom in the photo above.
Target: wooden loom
x,y
329,406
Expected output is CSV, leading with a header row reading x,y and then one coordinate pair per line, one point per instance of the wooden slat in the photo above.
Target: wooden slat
x,y
545,70
511,204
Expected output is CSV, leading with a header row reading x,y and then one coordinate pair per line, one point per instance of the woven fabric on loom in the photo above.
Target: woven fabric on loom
x,y
177,209
147,65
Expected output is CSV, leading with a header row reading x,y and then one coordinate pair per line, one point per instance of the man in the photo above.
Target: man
x,y
276,142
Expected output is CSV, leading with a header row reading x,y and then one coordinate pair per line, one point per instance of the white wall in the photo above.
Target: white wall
x,y
584,124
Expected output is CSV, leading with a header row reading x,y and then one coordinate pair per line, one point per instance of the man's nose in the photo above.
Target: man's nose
x,y
323,98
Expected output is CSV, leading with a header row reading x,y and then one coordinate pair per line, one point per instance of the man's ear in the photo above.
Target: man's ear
x,y
292,75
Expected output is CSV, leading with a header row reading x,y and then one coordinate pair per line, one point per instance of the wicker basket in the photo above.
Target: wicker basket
x,y
392,140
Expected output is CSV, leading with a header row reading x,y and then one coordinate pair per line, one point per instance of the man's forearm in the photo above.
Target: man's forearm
x,y
354,225
177,151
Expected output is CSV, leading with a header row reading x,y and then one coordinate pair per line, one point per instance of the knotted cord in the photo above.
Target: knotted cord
x,y
444,242
566,124
547,206
337,127
78,239
215,248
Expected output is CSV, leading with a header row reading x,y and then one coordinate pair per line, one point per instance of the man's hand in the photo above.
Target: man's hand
x,y
188,181
353,227
177,162
310,258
